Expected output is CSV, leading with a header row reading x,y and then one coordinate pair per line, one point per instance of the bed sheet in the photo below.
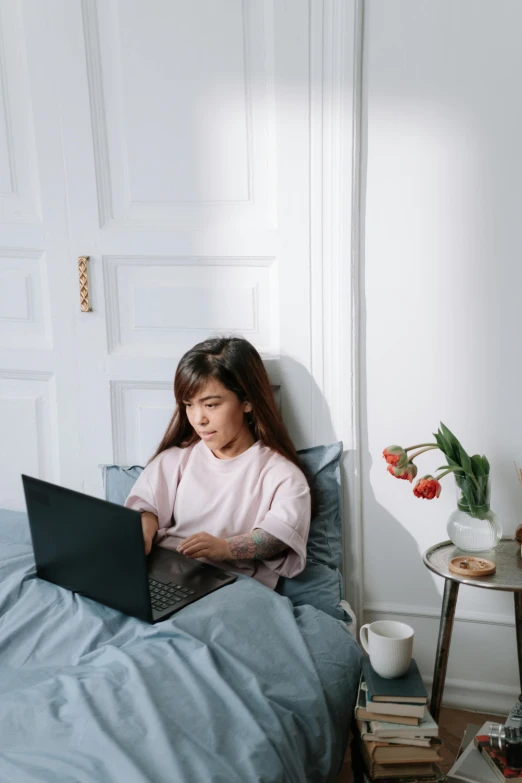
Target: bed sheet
x,y
238,686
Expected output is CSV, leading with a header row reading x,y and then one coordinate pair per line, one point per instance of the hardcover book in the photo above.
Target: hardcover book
x,y
436,776
425,728
364,712
382,753
408,689
402,769
365,730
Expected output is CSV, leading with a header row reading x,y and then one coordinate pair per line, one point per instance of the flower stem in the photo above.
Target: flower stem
x,y
421,445
441,475
428,448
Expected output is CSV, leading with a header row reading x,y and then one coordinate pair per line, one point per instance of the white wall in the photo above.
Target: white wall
x,y
441,295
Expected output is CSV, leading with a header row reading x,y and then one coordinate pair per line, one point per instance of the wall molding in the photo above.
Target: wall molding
x,y
478,695
430,613
26,375
336,59
356,508
20,201
118,392
111,264
97,108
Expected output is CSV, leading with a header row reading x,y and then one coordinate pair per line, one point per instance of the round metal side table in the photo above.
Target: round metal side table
x,y
507,577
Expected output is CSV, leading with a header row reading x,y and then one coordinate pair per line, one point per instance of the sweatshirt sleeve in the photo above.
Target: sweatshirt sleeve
x,y
155,489
289,521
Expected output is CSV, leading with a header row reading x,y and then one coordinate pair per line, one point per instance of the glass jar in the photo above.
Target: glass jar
x,y
473,526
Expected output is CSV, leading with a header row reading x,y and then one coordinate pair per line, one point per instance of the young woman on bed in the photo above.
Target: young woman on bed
x,y
225,485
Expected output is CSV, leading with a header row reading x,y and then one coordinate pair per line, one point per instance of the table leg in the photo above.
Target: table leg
x,y
447,615
518,628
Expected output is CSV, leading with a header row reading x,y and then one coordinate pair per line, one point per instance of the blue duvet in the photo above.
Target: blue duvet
x,y
238,687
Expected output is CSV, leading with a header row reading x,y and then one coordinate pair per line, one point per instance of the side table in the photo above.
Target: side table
x,y
507,577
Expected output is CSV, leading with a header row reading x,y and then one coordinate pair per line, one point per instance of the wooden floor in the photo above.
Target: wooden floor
x,y
452,727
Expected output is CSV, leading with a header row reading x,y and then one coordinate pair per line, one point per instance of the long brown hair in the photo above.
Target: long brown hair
x,y
235,363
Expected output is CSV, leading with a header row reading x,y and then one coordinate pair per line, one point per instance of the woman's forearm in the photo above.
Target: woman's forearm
x,y
257,545
150,522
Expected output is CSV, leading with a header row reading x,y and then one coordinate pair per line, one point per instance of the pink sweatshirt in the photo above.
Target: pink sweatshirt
x,y
192,491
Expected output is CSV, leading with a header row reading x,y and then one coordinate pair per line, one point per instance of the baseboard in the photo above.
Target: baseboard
x,y
433,613
477,696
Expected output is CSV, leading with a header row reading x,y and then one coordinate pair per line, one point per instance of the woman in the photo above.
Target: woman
x,y
225,484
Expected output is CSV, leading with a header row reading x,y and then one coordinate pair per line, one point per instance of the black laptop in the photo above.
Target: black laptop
x,y
95,548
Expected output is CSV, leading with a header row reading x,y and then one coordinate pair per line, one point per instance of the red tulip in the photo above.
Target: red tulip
x,y
395,455
427,487
408,472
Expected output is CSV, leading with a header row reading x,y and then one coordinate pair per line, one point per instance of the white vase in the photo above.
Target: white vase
x,y
473,526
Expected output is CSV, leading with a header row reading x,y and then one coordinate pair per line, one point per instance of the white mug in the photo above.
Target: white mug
x,y
389,645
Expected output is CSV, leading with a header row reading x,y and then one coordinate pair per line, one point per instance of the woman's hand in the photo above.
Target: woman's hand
x,y
149,525
205,545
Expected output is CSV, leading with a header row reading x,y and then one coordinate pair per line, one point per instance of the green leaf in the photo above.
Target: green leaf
x,y
451,439
450,467
452,462
443,445
478,468
486,466
469,495
465,461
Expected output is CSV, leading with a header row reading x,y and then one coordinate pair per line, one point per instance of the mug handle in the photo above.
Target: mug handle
x,y
364,637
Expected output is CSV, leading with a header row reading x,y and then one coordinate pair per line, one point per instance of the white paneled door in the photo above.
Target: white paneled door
x,y
168,142
39,426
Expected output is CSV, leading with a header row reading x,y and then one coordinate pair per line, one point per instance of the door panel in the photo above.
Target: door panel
x,y
187,162
38,285
169,142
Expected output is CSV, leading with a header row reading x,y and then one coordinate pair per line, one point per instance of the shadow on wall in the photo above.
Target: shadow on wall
x,y
392,560
384,558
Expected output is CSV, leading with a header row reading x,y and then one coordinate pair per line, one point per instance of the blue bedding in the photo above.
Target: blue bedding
x,y
238,686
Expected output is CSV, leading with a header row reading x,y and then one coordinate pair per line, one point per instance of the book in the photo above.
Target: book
x,y
376,770
396,710
471,767
408,689
406,774
365,730
436,776
362,713
494,757
383,753
425,728
469,732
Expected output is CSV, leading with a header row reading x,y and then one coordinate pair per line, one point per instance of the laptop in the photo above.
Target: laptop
x,y
95,548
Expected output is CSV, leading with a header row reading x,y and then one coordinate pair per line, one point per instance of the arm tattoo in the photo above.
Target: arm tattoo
x,y
257,545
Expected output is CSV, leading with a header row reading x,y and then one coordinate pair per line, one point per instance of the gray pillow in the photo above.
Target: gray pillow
x,y
322,465
118,480
320,584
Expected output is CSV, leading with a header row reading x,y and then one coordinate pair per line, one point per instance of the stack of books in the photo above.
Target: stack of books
x,y
398,736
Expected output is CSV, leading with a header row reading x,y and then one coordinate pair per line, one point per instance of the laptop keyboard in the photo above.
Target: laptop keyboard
x,y
163,596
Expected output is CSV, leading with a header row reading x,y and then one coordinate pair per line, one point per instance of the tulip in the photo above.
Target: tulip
x,y
408,472
427,487
395,455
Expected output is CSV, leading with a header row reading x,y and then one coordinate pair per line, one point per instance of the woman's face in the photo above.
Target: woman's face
x,y
218,417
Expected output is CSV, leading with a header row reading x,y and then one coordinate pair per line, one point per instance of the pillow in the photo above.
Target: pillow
x,y
322,465
118,480
320,584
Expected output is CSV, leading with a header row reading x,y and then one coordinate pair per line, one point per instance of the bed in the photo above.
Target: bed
x,y
239,686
